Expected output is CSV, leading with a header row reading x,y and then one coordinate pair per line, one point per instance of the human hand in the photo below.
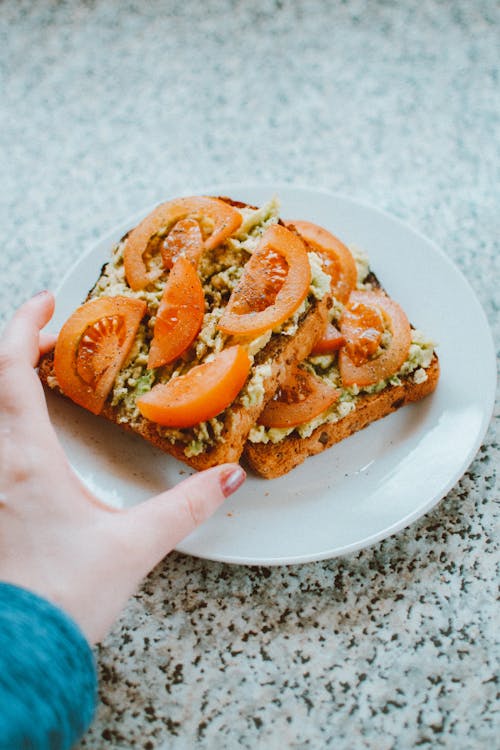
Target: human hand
x,y
56,538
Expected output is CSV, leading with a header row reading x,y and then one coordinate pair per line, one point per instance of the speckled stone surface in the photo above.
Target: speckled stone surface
x,y
108,105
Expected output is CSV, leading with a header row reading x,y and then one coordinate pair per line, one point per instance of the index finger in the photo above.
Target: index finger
x,y
20,340
20,346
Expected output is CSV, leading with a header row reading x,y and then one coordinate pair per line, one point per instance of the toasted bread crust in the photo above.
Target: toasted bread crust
x,y
273,460
279,353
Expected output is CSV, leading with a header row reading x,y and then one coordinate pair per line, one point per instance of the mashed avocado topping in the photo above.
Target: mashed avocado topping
x,y
220,270
320,281
362,264
325,366
254,224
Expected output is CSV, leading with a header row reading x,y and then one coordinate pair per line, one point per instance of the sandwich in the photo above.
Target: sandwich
x,y
368,362
192,325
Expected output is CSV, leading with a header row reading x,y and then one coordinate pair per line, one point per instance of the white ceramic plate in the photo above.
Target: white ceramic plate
x,y
372,484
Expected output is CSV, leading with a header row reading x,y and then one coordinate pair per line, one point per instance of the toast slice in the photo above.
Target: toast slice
x,y
271,453
221,438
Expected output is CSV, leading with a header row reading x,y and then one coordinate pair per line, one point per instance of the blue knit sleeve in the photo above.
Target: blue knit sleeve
x,y
48,682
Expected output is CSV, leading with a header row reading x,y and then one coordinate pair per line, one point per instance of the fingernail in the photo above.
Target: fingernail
x,y
231,480
41,293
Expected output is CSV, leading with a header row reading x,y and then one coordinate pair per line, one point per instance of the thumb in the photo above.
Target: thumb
x,y
156,526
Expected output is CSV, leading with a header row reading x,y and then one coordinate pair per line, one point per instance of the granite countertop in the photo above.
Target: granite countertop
x,y
106,107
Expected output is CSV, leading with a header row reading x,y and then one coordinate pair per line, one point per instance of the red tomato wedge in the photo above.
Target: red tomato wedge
x,y
274,284
331,341
225,218
93,345
365,317
337,258
185,239
363,324
201,394
299,400
179,316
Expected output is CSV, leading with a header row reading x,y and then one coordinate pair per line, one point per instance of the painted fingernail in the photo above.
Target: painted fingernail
x,y
231,480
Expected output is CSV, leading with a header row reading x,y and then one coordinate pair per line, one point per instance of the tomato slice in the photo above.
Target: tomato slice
x,y
331,341
184,239
265,274
92,347
179,316
368,312
363,324
225,218
205,391
274,284
299,400
337,258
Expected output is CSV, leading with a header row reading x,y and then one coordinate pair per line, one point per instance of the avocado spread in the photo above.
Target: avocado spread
x,y
325,366
220,270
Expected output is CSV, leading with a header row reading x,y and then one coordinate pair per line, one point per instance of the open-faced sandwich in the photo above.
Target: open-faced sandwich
x,y
192,325
216,328
368,362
